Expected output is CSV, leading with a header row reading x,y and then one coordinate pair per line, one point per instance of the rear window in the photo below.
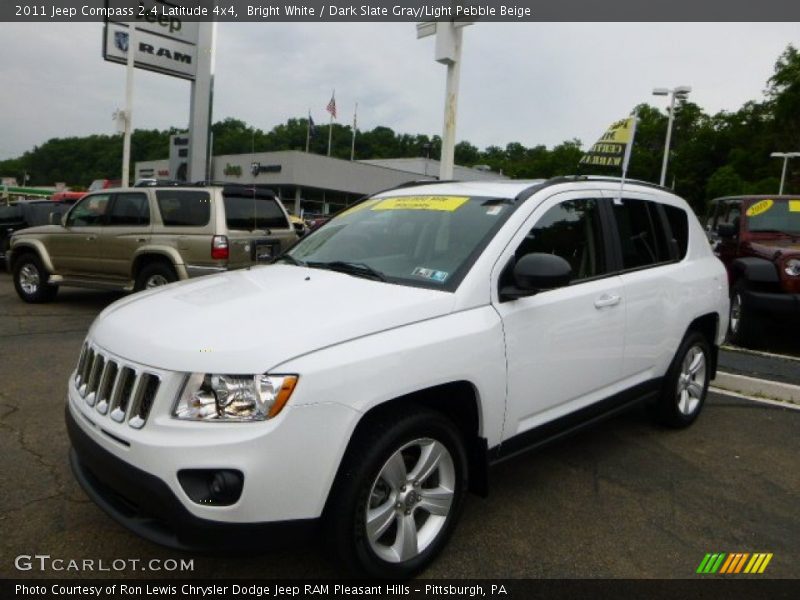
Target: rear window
x,y
249,213
184,208
641,234
679,225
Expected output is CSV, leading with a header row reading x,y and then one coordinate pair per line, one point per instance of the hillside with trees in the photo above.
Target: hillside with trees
x,y
712,155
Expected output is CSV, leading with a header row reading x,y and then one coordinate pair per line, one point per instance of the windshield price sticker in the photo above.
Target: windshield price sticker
x,y
794,205
441,203
759,208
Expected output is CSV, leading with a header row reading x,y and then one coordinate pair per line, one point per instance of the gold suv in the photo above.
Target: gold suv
x,y
136,238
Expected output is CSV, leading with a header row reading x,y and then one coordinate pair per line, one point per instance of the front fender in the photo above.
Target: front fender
x,y
756,270
34,245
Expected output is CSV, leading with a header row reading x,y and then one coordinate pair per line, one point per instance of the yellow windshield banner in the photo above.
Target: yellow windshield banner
x,y
759,207
794,205
358,207
442,203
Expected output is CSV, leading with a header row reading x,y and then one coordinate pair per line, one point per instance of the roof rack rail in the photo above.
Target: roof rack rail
x,y
570,178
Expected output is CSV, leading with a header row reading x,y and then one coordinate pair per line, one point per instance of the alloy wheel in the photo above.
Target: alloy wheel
x,y
691,381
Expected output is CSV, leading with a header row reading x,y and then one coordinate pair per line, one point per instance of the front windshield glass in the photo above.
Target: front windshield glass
x,y
428,241
779,215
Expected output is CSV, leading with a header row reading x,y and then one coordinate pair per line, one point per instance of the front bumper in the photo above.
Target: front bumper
x,y
147,506
767,302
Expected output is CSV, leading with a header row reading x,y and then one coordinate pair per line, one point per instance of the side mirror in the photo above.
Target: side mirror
x,y
537,272
727,231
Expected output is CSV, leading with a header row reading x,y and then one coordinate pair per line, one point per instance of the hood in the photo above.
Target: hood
x,y
778,246
38,230
248,321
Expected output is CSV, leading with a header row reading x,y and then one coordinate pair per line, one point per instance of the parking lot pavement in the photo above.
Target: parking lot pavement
x,y
785,369
623,499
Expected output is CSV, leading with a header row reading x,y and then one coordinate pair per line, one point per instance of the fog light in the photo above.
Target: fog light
x,y
212,487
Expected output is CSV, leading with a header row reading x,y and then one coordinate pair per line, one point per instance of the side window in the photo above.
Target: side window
x,y
184,208
130,209
731,213
641,233
91,210
573,231
679,226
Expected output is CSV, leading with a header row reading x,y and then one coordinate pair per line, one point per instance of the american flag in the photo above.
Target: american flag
x,y
331,108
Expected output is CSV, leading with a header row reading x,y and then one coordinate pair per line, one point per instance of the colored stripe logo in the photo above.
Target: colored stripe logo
x,y
734,563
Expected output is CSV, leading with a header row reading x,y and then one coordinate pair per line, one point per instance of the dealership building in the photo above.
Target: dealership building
x,y
315,184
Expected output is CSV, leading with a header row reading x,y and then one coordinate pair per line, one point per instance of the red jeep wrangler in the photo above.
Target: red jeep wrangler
x,y
758,239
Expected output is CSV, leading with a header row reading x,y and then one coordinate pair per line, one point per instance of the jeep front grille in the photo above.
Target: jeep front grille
x,y
120,391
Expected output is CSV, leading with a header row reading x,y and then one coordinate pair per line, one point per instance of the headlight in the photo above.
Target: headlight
x,y
233,397
792,267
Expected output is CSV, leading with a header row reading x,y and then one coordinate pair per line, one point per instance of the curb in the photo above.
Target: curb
x,y
752,386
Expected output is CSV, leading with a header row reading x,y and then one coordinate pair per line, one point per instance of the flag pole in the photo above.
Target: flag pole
x,y
308,130
353,144
627,157
330,125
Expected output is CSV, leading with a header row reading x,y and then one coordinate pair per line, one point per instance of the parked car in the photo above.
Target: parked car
x,y
27,213
464,323
758,239
138,238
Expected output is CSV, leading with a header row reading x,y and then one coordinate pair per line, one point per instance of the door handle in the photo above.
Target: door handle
x,y
141,240
91,238
607,300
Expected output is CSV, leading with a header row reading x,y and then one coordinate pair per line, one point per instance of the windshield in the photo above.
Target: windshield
x,y
427,241
774,215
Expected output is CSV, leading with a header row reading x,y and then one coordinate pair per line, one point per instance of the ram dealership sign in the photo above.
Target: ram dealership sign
x,y
165,44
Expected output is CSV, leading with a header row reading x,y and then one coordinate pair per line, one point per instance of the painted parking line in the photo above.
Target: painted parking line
x,y
778,403
760,353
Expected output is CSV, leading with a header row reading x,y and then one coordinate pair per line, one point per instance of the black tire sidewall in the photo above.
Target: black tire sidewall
x,y
157,268
361,466
669,412
743,336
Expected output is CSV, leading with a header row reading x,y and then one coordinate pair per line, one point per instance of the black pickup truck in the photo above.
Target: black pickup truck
x,y
26,213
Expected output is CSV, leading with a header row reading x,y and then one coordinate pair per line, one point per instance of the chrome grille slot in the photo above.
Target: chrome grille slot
x,y
145,395
87,366
94,378
122,394
106,386
81,363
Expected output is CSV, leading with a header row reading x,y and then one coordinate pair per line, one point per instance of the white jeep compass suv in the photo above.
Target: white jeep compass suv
x,y
367,379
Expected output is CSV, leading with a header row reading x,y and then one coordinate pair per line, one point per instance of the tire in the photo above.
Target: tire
x,y
30,280
155,275
743,325
376,476
686,384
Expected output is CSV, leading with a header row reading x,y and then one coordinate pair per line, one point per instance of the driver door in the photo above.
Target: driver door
x,y
74,250
564,347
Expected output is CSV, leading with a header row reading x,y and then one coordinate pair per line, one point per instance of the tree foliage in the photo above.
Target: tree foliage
x,y
711,155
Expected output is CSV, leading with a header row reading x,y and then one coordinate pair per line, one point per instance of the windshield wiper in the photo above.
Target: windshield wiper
x,y
290,259
358,269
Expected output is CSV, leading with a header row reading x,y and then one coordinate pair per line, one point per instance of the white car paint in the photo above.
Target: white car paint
x,y
357,343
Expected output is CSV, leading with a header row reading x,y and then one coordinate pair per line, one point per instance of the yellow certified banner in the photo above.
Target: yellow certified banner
x,y
443,203
759,208
794,205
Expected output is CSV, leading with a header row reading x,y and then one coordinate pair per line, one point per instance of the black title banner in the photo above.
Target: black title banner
x,y
327,11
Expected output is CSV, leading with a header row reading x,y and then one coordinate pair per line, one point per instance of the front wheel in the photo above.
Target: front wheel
x,y
398,495
686,383
30,280
743,325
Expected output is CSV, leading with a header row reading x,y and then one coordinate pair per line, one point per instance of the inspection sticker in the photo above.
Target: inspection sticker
x,y
442,203
794,205
759,208
432,274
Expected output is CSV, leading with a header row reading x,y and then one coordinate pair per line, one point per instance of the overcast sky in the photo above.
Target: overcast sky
x,y
535,83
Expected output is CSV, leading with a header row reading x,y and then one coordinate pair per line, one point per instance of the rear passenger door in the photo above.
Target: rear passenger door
x,y
564,347
188,225
650,276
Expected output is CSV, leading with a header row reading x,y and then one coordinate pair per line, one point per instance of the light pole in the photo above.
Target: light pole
x,y
681,92
785,156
